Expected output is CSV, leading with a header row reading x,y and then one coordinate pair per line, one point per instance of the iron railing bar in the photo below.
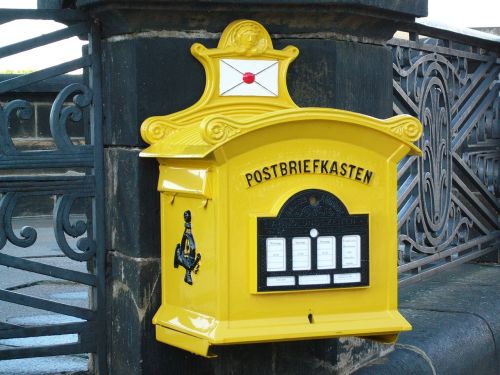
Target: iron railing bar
x,y
48,270
62,15
469,213
43,40
400,107
482,95
488,145
405,97
82,193
463,259
407,164
475,80
47,351
487,150
490,213
472,119
53,85
405,211
458,161
477,97
27,79
418,46
52,189
47,159
446,253
407,188
98,222
396,109
5,326
47,178
50,330
42,184
39,303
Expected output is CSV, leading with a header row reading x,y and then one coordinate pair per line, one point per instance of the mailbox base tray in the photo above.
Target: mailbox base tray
x,y
381,326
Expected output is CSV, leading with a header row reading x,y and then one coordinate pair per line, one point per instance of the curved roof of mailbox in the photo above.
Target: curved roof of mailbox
x,y
246,92
200,139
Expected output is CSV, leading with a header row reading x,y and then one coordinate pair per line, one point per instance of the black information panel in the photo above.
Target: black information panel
x,y
313,243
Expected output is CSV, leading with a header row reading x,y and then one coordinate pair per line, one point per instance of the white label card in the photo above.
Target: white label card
x,y
351,251
314,279
326,252
301,253
276,254
280,281
344,278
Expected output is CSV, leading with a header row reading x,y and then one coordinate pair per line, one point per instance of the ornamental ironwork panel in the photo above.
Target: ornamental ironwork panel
x,y
448,199
67,170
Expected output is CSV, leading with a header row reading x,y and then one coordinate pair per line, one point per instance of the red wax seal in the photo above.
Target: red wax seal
x,y
248,77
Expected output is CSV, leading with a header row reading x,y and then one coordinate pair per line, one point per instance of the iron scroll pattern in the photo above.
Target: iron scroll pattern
x,y
67,188
448,198
61,164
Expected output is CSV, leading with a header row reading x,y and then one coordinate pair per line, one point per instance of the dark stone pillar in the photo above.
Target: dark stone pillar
x,y
148,70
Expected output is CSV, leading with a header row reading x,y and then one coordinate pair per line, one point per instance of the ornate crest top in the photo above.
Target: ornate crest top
x,y
245,76
245,37
246,91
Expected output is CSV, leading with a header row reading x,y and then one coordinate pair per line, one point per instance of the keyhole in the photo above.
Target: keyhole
x,y
310,318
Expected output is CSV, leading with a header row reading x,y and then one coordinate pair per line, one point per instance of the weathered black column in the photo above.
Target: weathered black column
x,y
148,70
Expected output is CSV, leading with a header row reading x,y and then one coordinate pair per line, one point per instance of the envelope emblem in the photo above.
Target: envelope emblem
x,y
248,77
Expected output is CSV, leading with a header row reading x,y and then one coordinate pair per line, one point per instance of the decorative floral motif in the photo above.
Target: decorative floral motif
x,y
435,166
438,208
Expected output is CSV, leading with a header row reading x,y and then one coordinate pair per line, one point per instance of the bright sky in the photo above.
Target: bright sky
x,y
458,13
465,13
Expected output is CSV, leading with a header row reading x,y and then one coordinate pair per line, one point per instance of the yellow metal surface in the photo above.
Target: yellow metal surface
x,y
232,160
185,180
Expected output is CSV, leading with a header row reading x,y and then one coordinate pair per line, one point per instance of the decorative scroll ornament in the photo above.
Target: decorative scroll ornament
x,y
86,246
28,234
185,252
61,113
218,131
23,111
155,129
409,130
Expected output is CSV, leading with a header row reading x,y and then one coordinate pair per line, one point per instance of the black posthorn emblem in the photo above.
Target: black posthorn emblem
x,y
185,252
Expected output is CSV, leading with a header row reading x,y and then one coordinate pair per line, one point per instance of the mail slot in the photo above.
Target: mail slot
x,y
277,222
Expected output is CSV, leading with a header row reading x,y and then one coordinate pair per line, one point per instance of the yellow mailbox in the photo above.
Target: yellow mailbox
x,y
277,222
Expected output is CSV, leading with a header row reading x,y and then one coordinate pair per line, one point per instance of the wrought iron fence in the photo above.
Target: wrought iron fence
x,y
68,169
448,199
